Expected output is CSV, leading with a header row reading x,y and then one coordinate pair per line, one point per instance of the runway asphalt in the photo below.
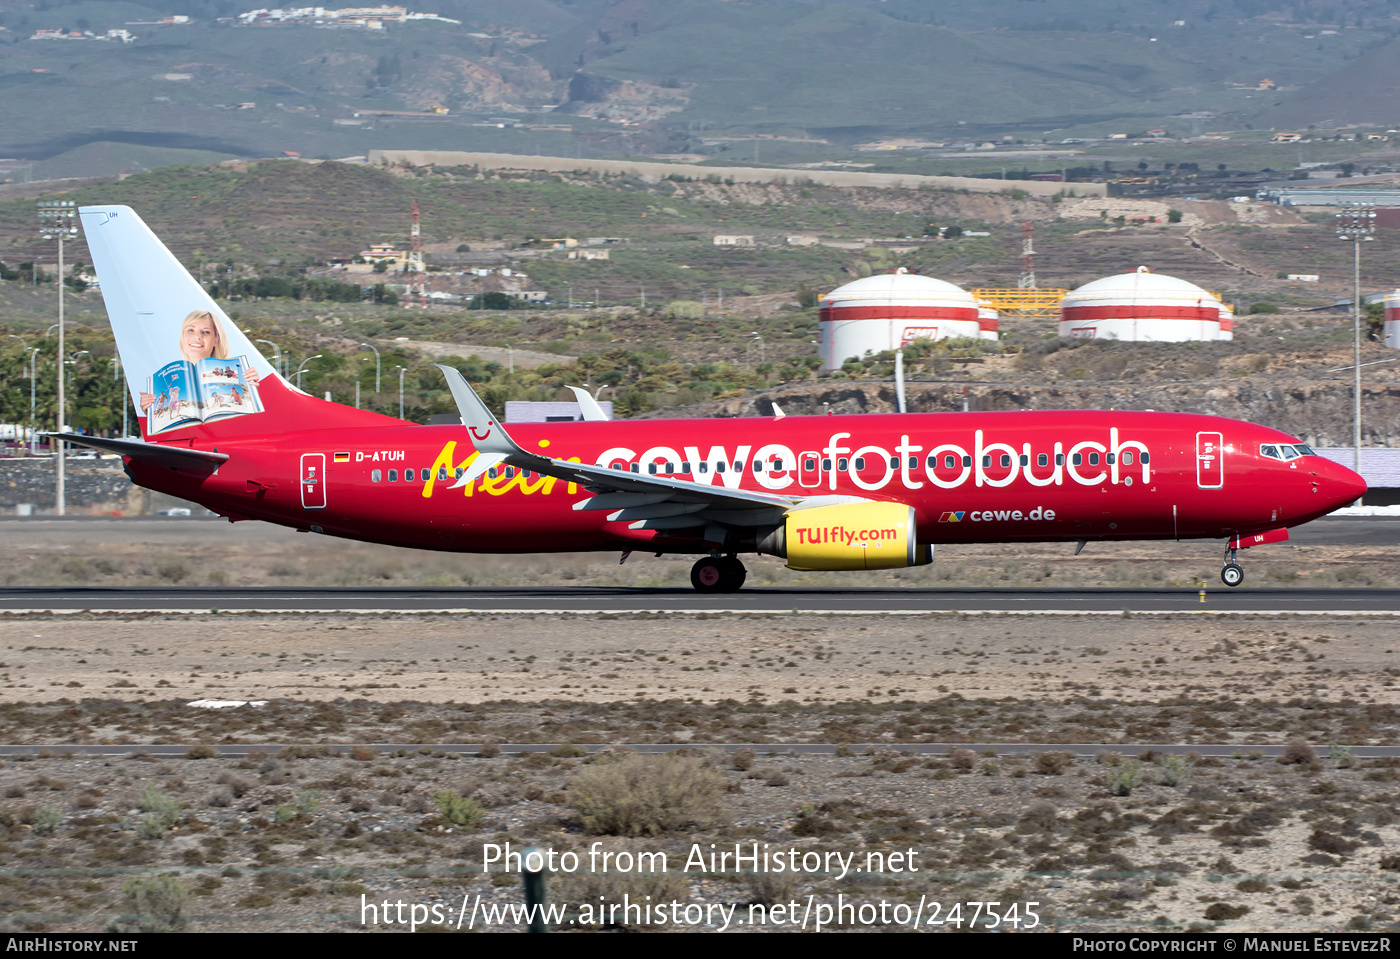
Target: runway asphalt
x,y
585,599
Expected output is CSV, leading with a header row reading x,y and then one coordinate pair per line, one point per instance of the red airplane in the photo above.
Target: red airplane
x,y
822,492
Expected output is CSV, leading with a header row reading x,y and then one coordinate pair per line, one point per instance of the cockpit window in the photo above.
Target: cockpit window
x,y
1284,451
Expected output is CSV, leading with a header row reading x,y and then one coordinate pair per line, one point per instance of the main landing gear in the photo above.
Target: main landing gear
x,y
1232,573
718,574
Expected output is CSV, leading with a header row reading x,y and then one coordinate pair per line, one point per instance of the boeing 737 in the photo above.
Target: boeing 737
x,y
221,427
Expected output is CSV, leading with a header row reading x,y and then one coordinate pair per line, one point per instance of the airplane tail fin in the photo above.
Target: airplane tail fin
x,y
190,370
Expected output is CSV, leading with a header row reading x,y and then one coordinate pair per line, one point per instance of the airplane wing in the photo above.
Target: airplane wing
x,y
642,500
155,453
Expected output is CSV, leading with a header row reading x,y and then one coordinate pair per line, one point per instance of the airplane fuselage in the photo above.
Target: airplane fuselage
x,y
970,477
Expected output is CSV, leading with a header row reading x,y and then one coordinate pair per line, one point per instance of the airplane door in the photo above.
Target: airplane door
x,y
1210,466
809,469
313,480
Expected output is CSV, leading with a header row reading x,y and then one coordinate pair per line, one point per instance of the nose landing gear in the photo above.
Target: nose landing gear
x,y
1232,573
718,574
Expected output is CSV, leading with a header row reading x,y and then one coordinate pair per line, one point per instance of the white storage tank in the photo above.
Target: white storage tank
x,y
1145,306
888,311
1391,336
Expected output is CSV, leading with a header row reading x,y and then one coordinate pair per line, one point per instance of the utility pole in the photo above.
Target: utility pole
x,y
58,220
1356,223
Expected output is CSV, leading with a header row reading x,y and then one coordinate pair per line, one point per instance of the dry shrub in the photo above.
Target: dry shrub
x,y
1298,753
1224,912
1330,842
636,795
604,892
154,904
1053,763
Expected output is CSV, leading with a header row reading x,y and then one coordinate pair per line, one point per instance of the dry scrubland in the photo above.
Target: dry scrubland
x,y
290,839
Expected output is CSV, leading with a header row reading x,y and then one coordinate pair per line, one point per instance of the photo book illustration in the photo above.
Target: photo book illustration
x,y
199,392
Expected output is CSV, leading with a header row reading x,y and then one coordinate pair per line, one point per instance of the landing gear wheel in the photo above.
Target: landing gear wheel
x,y
1232,574
735,574
708,575
714,574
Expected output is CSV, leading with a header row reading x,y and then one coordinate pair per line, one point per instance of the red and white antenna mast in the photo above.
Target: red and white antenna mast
x,y
1027,281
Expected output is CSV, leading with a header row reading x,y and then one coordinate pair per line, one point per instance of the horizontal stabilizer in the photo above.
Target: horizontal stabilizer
x,y
153,453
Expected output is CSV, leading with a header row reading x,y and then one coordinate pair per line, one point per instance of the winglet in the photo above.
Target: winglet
x,y
487,434
778,412
587,404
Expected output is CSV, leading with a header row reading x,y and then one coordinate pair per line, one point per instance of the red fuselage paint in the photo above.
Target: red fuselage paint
x,y
970,477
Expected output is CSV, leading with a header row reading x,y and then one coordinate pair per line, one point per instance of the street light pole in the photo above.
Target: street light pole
x,y
33,374
376,366
303,367
58,220
277,363
402,371
1356,224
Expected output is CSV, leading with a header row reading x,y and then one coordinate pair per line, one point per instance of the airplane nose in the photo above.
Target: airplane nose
x,y
1339,485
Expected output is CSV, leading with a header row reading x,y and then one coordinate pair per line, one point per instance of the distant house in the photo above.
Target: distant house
x,y
590,254
733,240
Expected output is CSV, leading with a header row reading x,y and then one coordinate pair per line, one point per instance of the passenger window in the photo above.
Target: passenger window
x,y
841,463
1042,460
460,471
967,462
634,468
809,465
491,473
670,468
393,476
651,468
1093,459
442,473
1025,460
894,463
719,467
1060,460
826,464
738,466
860,462
986,461
1144,459
1005,460
704,467
375,476
913,462
1078,459
685,466
408,476
777,466
1108,458
758,466
1127,457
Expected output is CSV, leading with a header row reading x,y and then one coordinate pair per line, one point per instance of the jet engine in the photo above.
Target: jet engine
x,y
862,535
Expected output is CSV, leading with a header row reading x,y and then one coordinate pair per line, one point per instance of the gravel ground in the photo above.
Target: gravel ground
x,y
305,839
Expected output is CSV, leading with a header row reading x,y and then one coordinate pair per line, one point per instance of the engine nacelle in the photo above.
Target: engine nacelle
x,y
848,536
